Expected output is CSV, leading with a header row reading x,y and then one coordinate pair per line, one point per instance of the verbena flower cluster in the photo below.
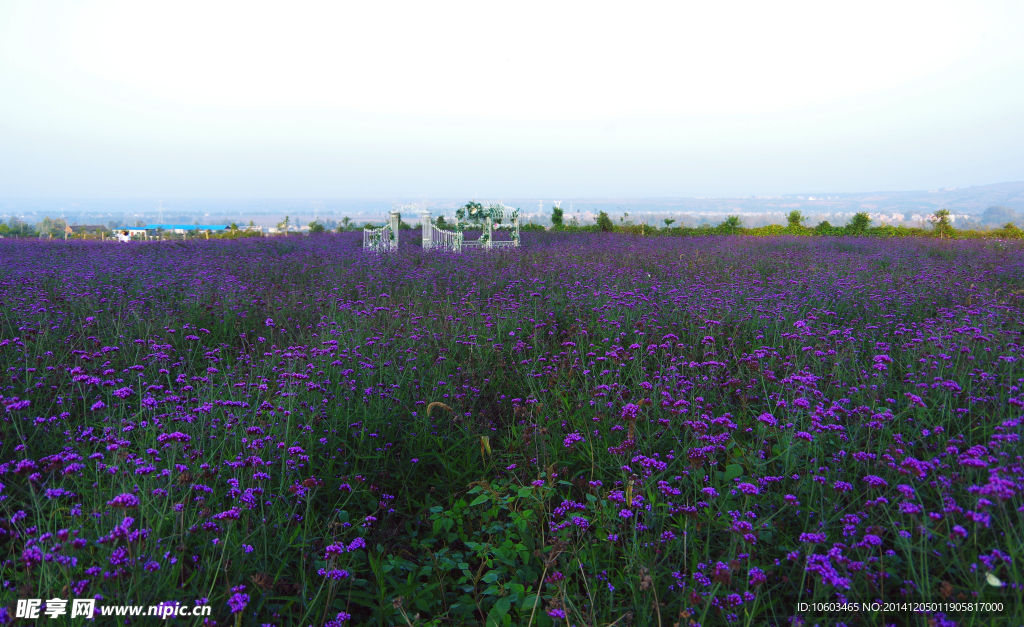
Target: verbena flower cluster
x,y
700,431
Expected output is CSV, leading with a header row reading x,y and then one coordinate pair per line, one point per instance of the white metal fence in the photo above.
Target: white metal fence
x,y
377,240
384,239
441,239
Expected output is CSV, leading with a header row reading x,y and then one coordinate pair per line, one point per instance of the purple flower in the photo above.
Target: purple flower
x,y
231,514
32,556
914,399
238,602
757,577
630,411
874,481
333,574
337,621
124,501
1002,489
909,508
813,538
333,549
571,439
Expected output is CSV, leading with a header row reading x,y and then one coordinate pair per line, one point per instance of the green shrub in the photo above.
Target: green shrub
x,y
859,223
556,217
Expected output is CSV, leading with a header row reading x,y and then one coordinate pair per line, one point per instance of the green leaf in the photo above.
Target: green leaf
x,y
491,576
502,606
591,498
478,500
732,471
525,492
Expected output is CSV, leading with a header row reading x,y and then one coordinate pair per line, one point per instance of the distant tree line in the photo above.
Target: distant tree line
x,y
999,219
995,221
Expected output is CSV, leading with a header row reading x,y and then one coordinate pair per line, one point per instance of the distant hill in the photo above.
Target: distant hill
x,y
970,200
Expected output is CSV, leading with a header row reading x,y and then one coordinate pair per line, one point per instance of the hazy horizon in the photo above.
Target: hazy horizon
x,y
967,206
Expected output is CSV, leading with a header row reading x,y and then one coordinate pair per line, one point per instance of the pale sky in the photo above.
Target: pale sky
x,y
129,98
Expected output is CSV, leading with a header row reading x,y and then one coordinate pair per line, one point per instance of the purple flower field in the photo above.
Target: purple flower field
x,y
591,429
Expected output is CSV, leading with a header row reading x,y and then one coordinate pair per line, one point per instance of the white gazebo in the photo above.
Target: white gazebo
x,y
494,216
490,218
